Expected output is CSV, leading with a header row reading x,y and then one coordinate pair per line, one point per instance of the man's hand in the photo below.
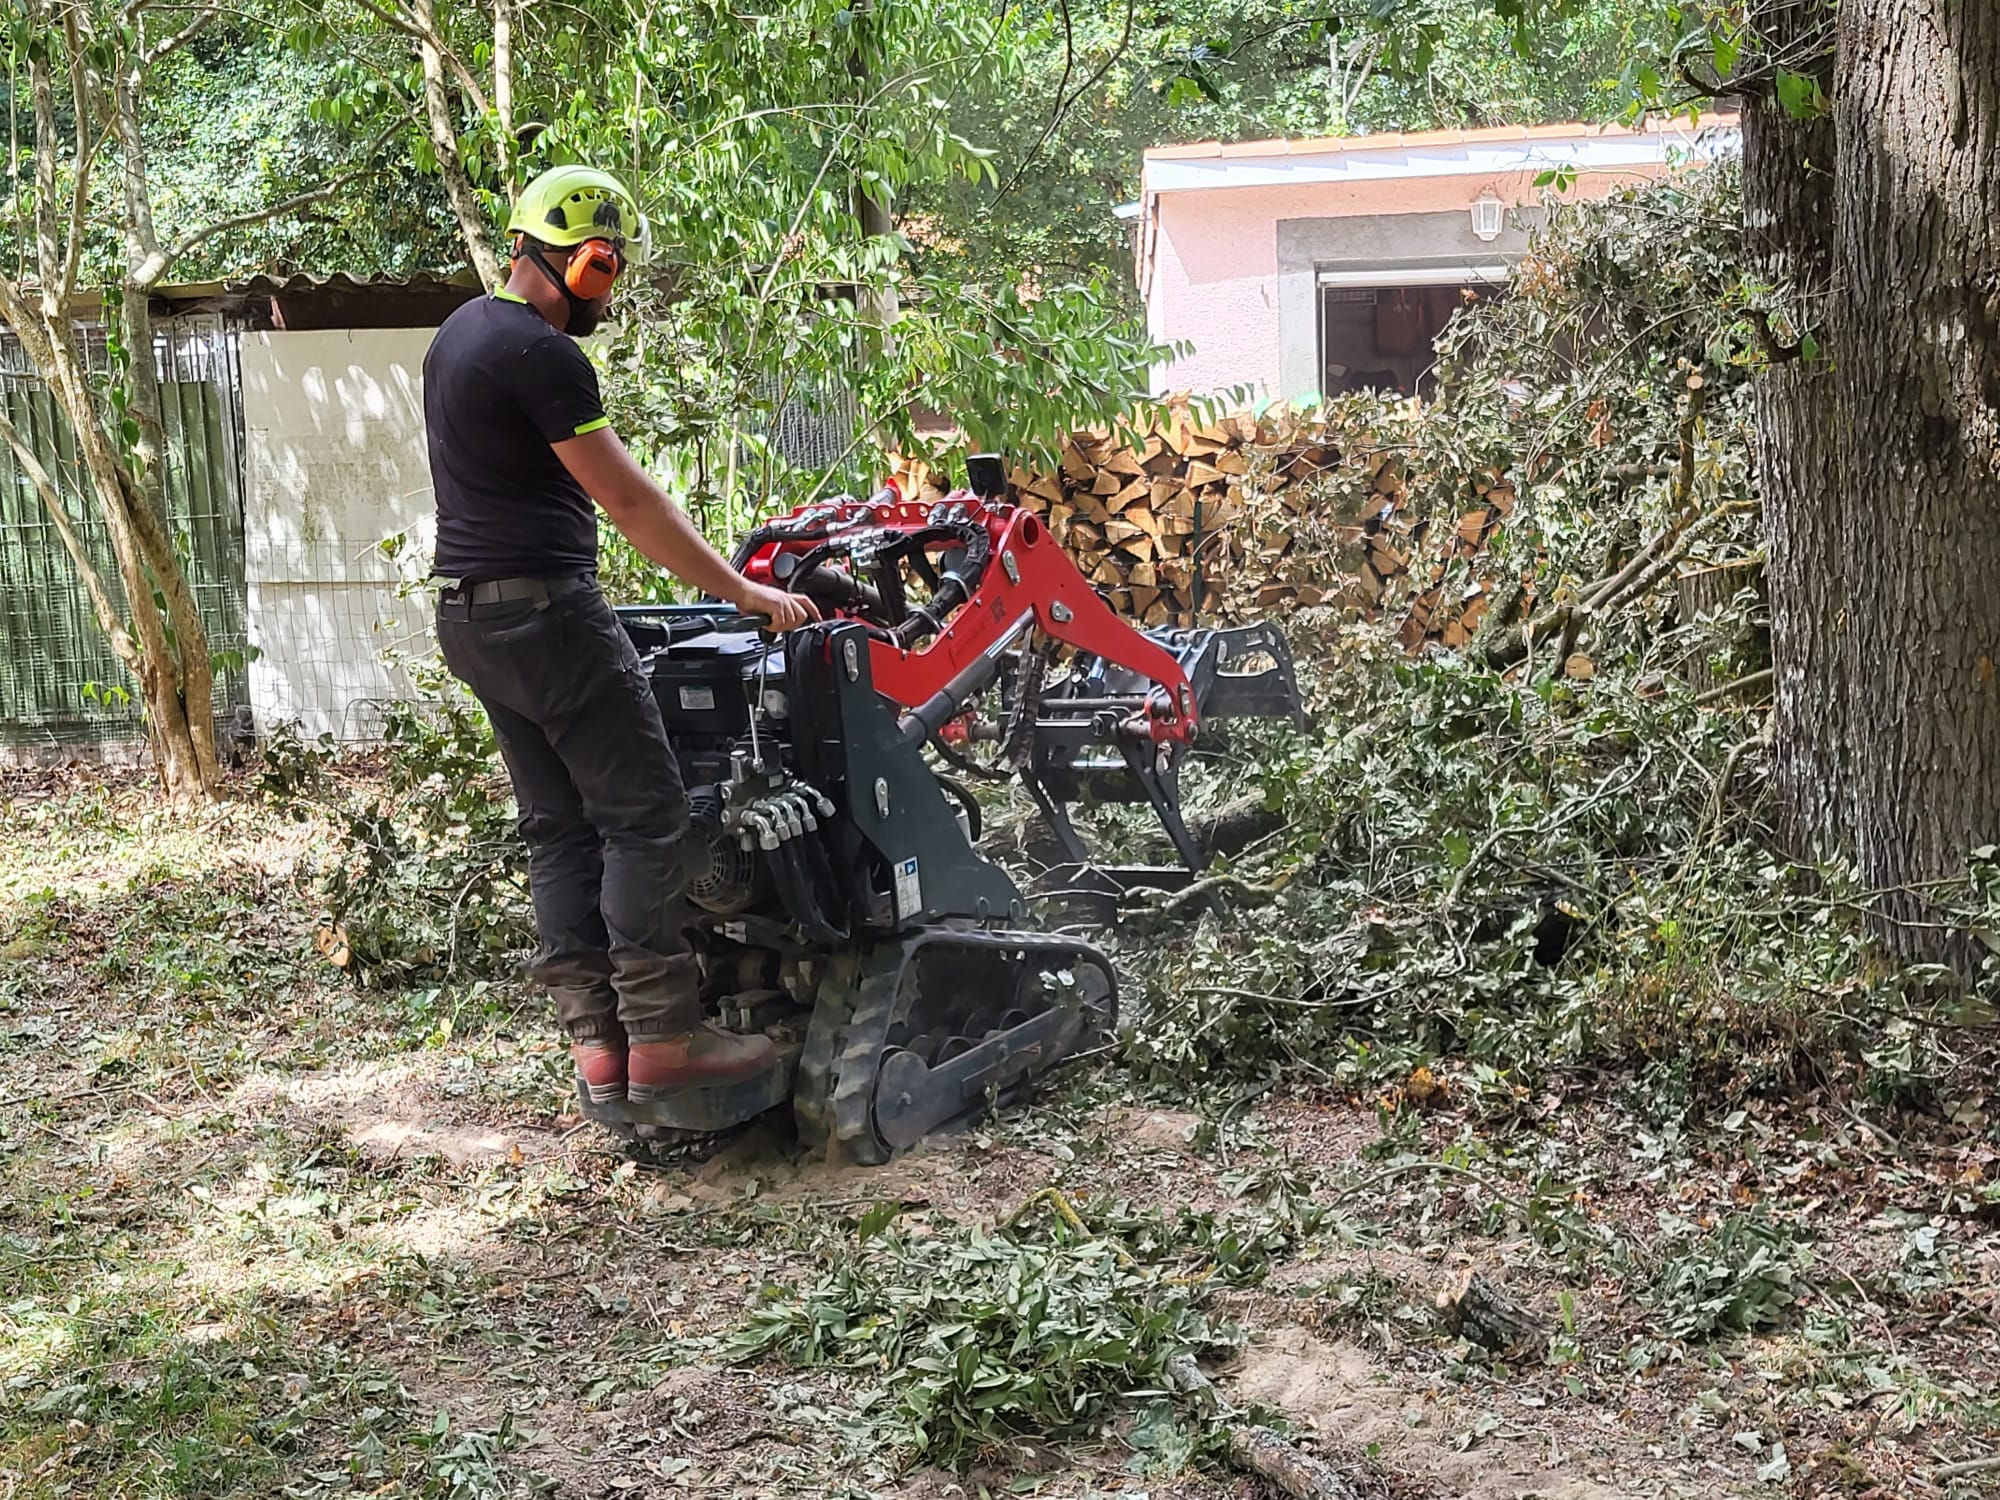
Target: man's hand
x,y
785,611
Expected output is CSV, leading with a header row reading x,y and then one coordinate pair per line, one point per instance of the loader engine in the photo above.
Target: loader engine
x,y
836,895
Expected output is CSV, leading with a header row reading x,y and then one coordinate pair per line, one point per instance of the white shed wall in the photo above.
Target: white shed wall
x,y
335,467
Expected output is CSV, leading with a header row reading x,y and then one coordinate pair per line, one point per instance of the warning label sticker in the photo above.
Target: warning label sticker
x,y
697,699
909,890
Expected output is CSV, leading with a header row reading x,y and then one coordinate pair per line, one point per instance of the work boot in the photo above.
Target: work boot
x,y
600,1070
694,1059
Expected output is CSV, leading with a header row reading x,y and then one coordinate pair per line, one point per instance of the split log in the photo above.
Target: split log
x,y
1259,1450
1472,1307
1133,493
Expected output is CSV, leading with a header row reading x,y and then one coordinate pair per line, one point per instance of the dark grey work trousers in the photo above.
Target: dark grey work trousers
x,y
602,808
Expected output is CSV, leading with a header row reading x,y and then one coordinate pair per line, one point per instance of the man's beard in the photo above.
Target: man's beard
x,y
583,319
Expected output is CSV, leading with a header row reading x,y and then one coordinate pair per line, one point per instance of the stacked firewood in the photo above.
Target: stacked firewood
x,y
1153,518
1246,517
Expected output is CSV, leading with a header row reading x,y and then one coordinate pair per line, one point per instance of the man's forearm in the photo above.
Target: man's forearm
x,y
645,514
650,521
663,533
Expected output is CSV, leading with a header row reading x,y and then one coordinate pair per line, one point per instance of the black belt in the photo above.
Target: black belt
x,y
507,590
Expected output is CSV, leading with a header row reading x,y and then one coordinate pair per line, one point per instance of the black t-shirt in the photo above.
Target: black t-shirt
x,y
501,385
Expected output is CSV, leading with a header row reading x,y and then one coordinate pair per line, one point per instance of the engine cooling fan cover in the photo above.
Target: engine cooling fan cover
x,y
723,876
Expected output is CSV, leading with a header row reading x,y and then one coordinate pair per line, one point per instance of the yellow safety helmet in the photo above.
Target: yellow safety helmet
x,y
565,206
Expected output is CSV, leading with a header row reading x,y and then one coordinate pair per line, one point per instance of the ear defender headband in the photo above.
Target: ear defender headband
x,y
589,272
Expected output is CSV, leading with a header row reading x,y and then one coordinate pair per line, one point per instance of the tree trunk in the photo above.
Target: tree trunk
x,y
133,491
503,93
1788,198
443,130
876,303
1917,330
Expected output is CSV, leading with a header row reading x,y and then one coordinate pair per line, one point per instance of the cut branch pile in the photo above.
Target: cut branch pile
x,y
1245,516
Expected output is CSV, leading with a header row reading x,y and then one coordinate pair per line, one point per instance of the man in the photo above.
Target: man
x,y
519,448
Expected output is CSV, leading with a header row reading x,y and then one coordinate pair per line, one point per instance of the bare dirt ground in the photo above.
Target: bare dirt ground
x,y
266,1233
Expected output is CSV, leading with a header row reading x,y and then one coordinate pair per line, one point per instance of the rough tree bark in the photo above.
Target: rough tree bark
x,y
1788,204
1917,332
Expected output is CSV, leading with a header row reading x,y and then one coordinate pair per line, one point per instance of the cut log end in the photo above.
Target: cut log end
x,y
1473,1308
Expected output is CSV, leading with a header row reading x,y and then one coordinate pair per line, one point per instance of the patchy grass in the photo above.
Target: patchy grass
x,y
264,1232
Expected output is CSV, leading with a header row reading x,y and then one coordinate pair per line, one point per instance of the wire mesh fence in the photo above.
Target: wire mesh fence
x,y
61,686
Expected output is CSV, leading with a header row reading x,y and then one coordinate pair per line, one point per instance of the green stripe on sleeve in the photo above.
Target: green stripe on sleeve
x,y
593,426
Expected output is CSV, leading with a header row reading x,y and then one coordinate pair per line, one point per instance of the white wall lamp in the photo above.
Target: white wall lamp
x,y
1489,215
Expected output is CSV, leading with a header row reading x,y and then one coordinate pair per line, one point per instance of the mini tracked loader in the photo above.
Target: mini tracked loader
x,y
838,898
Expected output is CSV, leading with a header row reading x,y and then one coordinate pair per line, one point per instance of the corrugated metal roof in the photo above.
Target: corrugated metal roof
x,y
264,284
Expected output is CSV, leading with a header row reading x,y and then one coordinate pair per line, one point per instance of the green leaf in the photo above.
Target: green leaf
x,y
878,1218
1800,95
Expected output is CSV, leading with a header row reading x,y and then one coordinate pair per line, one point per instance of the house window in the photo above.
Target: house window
x,y
1380,338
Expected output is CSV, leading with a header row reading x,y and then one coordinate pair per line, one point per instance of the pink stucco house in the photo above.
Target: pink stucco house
x,y
1295,267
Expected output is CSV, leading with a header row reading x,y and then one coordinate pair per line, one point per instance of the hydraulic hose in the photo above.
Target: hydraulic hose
x,y
955,586
795,890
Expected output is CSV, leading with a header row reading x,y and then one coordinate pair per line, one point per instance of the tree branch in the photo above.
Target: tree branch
x,y
142,241
1774,348
424,32
503,90
86,168
167,46
1062,103
150,273
1738,685
1722,89
1684,485
1063,106
101,603
41,93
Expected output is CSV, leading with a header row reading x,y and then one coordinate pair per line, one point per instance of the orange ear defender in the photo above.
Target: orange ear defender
x,y
593,269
